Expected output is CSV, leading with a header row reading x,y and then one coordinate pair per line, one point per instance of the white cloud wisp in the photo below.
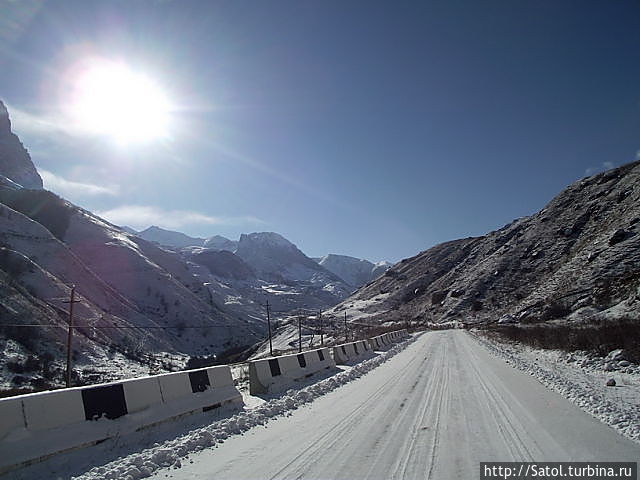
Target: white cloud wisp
x,y
141,217
70,188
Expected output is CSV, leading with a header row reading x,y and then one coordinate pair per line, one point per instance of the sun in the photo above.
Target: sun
x,y
109,98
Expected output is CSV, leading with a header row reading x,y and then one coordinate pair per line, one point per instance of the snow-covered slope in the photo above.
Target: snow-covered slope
x,y
356,272
135,297
275,258
239,286
578,259
169,238
15,162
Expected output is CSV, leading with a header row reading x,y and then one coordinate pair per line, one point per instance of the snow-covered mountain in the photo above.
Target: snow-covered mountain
x,y
134,299
265,267
15,162
169,238
276,258
576,261
122,279
155,292
269,256
355,271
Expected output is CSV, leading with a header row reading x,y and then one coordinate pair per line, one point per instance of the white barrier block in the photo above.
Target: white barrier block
x,y
265,373
141,393
340,355
349,352
53,409
174,385
220,376
11,417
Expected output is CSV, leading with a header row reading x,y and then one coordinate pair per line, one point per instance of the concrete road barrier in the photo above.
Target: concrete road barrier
x,y
350,352
273,373
38,425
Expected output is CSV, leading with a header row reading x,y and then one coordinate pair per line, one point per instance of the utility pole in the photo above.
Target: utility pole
x,y
299,333
269,324
346,332
321,333
71,301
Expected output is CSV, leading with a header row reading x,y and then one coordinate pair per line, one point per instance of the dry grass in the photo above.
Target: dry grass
x,y
600,337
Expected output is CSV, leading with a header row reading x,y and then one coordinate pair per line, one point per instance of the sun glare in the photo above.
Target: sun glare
x,y
111,99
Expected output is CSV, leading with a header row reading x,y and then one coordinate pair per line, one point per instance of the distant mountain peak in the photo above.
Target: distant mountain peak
x,y
355,271
266,238
15,162
169,238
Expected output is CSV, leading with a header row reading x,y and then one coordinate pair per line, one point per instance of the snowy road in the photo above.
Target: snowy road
x,y
435,410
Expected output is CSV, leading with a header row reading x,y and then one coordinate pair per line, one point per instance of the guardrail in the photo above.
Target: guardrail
x,y
37,425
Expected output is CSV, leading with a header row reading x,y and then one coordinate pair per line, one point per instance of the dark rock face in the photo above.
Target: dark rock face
x,y
15,162
582,251
617,237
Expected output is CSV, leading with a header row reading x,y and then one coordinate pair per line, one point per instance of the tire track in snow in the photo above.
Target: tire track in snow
x,y
433,405
332,438
505,420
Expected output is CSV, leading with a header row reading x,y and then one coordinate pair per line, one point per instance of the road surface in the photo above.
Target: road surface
x,y
434,411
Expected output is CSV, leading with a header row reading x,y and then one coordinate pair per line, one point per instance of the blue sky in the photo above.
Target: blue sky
x,y
372,129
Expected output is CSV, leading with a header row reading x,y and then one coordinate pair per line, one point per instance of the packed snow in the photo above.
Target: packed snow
x,y
581,377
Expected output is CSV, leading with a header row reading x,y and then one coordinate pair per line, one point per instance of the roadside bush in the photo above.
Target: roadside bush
x,y
600,337
556,310
15,366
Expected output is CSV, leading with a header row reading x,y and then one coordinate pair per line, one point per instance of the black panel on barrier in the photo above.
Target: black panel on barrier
x,y
321,355
301,360
199,381
355,347
107,401
274,366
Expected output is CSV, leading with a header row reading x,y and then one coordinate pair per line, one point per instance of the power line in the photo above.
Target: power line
x,y
104,327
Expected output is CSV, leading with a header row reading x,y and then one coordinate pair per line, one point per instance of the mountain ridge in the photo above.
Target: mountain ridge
x,y
577,258
15,161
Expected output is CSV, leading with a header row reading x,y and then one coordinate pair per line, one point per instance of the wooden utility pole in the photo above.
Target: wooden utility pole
x,y
71,301
346,332
321,332
269,325
299,333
